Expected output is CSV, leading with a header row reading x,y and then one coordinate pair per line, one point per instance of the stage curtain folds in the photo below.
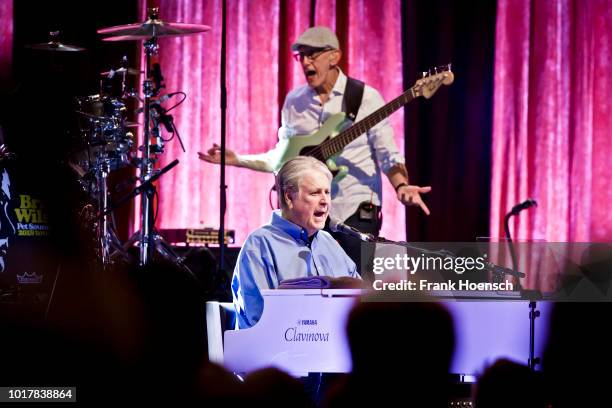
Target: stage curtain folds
x,y
552,132
552,125
6,41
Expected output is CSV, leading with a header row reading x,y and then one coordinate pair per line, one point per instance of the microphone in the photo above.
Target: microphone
x,y
515,210
337,226
164,118
523,206
157,78
161,99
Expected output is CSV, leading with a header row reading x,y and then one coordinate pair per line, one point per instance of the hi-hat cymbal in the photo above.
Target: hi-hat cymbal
x,y
149,29
55,46
130,71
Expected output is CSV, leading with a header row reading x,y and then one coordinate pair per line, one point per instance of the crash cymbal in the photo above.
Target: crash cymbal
x,y
149,29
55,46
130,71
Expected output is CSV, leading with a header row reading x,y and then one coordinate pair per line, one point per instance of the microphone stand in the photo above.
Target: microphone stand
x,y
511,244
491,267
532,361
221,273
496,270
222,186
142,187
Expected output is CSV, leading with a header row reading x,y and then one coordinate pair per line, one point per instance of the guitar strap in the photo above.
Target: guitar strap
x,y
353,94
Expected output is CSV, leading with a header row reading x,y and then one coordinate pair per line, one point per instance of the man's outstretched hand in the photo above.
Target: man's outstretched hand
x,y
213,155
411,195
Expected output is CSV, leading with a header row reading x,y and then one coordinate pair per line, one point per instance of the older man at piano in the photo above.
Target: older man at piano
x,y
292,244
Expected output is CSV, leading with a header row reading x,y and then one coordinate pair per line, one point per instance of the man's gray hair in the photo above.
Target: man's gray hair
x,y
290,174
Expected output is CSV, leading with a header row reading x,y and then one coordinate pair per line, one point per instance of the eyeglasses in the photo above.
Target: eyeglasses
x,y
311,55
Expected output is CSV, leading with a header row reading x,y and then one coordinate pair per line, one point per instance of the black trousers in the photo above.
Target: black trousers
x,y
367,218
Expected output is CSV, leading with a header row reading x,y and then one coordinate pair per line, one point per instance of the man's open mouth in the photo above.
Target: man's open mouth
x,y
310,72
319,213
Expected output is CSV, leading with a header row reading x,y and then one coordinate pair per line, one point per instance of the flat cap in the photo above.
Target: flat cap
x,y
317,37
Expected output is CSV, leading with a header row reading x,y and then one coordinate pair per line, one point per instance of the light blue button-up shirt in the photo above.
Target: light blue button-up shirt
x,y
277,251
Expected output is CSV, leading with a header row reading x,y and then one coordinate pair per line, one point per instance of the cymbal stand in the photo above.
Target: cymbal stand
x,y
146,165
148,237
105,234
102,171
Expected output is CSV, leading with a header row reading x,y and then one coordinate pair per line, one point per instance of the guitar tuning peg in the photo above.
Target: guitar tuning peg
x,y
435,70
448,67
424,74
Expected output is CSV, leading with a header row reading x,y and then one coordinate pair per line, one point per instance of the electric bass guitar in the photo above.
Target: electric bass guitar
x,y
338,130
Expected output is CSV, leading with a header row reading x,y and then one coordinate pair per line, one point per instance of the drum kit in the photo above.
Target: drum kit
x,y
106,140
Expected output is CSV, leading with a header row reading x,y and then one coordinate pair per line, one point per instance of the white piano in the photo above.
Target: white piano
x,y
300,331
303,331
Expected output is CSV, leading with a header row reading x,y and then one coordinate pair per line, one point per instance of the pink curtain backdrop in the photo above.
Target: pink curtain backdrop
x,y
552,125
6,39
260,72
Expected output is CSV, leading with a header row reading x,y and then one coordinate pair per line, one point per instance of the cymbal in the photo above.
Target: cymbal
x,y
149,29
130,71
55,47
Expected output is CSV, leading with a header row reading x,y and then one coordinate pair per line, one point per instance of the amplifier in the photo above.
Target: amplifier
x,y
196,236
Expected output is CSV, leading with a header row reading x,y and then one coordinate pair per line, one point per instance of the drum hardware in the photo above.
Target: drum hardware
x,y
103,138
103,145
108,146
104,225
109,79
156,241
